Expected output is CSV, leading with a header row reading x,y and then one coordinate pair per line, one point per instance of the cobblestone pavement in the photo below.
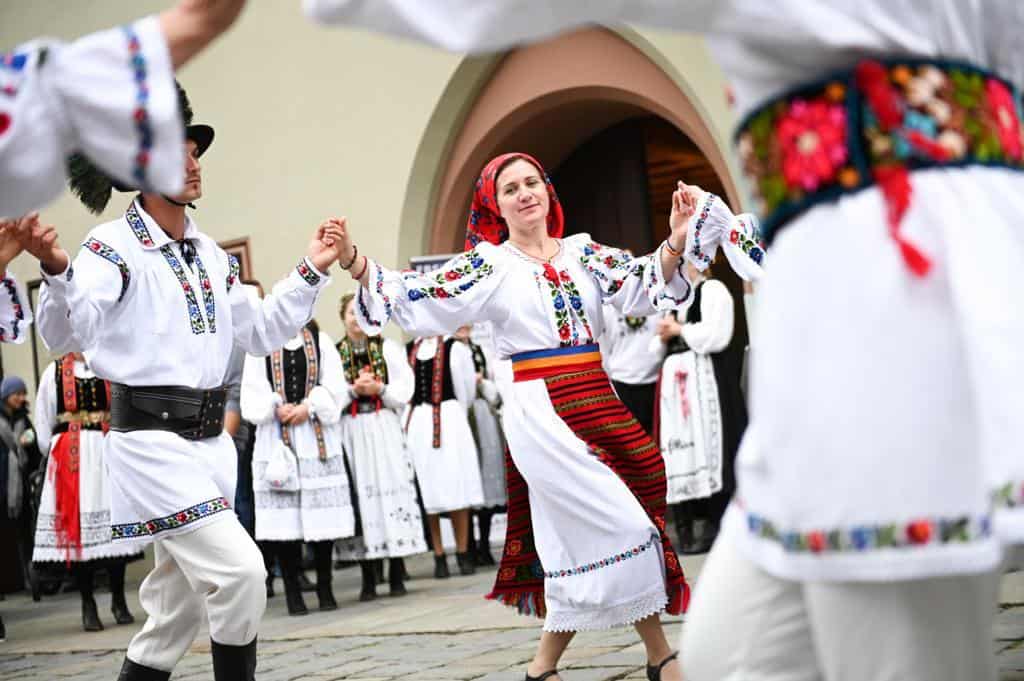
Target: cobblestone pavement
x,y
442,630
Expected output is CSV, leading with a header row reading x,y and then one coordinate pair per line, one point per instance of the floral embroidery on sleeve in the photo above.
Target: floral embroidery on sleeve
x,y
465,272
609,267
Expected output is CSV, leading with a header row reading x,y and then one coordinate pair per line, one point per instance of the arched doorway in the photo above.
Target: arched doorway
x,y
585,99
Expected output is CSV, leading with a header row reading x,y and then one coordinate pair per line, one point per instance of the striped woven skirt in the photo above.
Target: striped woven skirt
x,y
585,546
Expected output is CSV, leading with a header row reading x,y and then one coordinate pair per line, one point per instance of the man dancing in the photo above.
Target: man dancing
x,y
155,306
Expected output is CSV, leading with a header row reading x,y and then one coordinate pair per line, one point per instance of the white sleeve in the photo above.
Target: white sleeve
x,y
264,326
75,305
46,407
401,380
258,400
492,25
463,373
714,330
15,314
109,95
714,226
325,400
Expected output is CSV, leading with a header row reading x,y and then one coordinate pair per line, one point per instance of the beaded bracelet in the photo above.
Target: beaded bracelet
x,y
359,276
355,254
671,251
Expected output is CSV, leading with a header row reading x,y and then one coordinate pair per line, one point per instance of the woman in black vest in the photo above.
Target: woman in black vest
x,y
441,442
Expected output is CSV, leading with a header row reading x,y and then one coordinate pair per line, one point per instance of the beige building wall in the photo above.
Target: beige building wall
x,y
311,122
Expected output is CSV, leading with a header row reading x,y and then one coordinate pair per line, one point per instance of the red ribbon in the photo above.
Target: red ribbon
x,y
894,179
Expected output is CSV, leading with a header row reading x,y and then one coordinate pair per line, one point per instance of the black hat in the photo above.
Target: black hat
x,y
93,187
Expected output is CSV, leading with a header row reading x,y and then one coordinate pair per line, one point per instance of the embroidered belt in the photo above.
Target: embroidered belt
x,y
83,417
873,124
191,413
527,366
86,420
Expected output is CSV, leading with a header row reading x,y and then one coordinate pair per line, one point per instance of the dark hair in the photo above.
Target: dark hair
x,y
313,327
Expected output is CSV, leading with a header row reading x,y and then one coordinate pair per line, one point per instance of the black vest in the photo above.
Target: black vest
x,y
92,396
293,365
424,370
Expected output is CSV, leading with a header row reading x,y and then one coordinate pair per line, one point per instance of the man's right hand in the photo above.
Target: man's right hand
x,y
41,242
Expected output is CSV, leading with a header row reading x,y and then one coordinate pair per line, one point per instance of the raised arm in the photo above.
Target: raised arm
x,y
109,95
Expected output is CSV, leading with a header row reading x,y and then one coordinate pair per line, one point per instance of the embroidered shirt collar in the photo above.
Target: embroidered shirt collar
x,y
150,235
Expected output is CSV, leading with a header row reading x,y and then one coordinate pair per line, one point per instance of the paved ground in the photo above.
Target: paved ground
x,y
441,630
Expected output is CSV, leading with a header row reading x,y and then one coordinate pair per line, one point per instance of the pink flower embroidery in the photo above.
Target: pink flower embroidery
x,y
812,135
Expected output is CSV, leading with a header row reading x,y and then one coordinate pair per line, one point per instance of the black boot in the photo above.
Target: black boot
x,y
3,631
467,566
288,557
324,575
684,527
90,616
483,545
441,567
369,590
133,671
233,663
396,572
118,604
268,564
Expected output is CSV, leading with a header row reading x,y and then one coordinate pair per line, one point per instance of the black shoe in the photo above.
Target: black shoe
x,y
543,676
368,592
441,567
467,566
3,631
304,583
233,663
654,671
270,586
132,671
119,609
90,617
483,556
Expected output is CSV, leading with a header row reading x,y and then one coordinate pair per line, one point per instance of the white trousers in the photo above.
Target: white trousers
x,y
217,566
745,625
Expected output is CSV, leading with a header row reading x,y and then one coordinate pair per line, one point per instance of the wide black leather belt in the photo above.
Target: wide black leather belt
x,y
193,414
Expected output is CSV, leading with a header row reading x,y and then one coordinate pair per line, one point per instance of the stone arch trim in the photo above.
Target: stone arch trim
x,y
544,99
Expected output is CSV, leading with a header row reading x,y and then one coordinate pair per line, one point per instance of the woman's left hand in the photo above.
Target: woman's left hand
x,y
300,414
684,205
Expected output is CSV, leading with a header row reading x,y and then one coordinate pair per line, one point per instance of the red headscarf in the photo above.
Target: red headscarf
x,y
485,221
